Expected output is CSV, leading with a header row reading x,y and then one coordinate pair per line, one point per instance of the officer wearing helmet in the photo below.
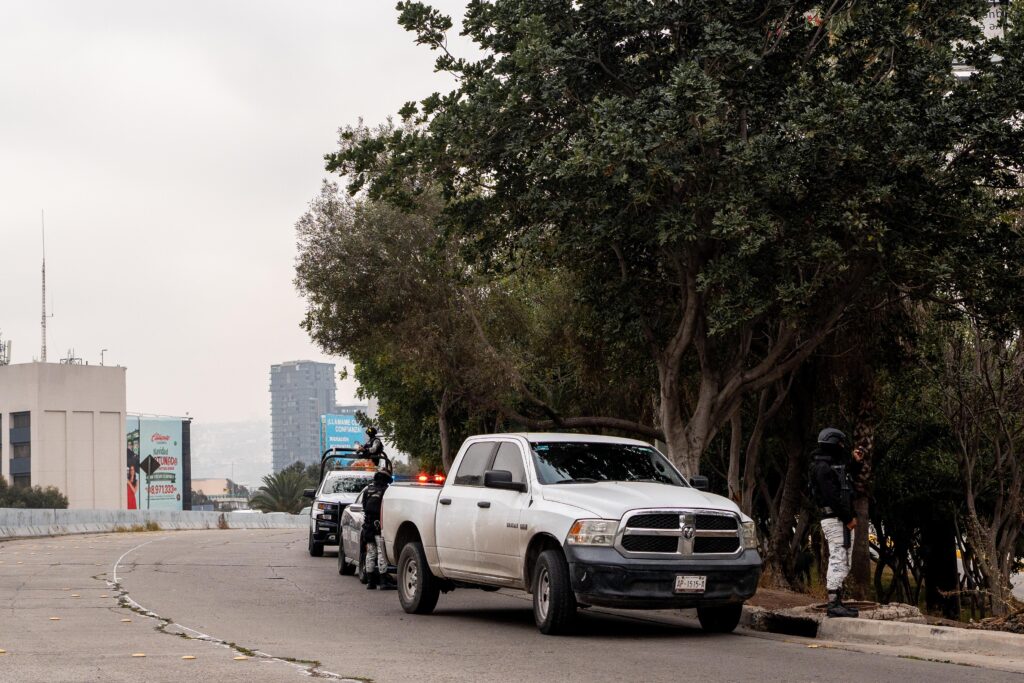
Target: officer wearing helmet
x,y
376,563
830,480
374,447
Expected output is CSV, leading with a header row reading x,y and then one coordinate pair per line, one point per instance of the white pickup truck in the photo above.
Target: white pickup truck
x,y
575,520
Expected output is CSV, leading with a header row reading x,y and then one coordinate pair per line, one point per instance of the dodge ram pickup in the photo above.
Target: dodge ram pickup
x,y
577,521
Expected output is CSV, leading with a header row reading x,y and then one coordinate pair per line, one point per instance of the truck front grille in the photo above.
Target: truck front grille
x,y
655,521
715,545
716,522
650,544
679,533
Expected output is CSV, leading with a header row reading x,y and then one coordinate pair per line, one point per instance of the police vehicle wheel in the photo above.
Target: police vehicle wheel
x,y
344,568
418,588
722,619
554,603
316,548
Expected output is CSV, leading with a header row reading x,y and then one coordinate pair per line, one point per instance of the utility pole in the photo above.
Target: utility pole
x,y
42,218
102,352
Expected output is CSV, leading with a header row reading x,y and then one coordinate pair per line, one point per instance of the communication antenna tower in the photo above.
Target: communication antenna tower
x,y
71,359
42,217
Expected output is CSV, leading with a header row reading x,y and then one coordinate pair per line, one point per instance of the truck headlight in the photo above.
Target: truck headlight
x,y
592,532
749,536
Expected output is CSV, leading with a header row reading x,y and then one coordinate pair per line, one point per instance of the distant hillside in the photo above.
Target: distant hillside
x,y
216,445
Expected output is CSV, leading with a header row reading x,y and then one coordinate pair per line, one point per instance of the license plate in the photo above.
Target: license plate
x,y
691,584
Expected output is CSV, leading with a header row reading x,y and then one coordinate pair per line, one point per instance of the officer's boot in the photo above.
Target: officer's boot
x,y
856,612
387,583
836,607
371,580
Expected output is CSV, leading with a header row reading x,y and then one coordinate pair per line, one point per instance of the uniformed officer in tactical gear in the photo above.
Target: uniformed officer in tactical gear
x,y
830,479
376,560
374,447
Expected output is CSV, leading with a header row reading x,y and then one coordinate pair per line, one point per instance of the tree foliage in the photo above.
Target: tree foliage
x,y
282,491
728,181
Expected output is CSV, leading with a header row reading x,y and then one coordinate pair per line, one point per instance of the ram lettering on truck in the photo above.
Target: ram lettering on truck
x,y
575,520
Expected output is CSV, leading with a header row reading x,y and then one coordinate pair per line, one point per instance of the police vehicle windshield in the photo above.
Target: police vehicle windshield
x,y
560,462
346,484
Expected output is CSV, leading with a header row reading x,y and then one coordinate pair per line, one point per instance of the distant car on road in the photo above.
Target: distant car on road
x,y
337,491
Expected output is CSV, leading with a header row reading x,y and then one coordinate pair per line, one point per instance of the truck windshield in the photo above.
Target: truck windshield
x,y
562,462
346,484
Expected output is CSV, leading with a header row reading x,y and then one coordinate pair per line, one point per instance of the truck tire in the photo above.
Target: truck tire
x,y
721,619
554,603
316,548
418,588
344,568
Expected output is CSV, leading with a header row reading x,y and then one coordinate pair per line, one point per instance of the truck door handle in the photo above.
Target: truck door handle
x,y
483,503
445,501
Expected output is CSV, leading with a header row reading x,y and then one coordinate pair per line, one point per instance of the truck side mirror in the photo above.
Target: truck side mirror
x,y
309,493
698,482
502,479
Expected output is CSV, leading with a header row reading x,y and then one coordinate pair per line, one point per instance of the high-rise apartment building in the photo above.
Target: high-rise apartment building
x,y
300,392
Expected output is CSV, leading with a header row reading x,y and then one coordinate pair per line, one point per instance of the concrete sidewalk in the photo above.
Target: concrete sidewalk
x,y
939,643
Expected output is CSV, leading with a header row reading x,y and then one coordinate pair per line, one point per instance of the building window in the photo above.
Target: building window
x,y
20,420
22,480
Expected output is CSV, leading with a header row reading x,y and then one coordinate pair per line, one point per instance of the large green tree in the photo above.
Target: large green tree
x,y
726,181
448,350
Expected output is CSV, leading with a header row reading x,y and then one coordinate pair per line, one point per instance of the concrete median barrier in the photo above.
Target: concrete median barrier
x,y
19,523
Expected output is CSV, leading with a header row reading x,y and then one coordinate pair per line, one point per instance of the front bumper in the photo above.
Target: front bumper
x,y
325,529
604,578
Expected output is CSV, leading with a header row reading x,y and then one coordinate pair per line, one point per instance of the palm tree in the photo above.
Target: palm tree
x,y
281,492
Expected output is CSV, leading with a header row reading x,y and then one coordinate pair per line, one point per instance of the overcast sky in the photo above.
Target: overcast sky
x,y
173,145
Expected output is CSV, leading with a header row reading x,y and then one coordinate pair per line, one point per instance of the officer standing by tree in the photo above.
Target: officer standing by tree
x,y
830,479
376,563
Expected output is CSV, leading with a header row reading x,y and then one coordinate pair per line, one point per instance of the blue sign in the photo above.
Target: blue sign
x,y
340,431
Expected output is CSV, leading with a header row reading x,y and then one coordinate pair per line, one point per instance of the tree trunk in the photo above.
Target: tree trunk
x,y
682,449
941,576
864,438
996,580
784,544
735,447
445,432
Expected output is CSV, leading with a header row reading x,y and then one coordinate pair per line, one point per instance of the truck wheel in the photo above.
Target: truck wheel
x,y
418,588
316,548
344,568
721,619
554,604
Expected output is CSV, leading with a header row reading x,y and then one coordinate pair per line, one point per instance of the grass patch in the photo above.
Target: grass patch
x,y
136,528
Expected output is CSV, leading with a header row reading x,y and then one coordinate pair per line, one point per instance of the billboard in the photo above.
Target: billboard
x,y
155,463
340,431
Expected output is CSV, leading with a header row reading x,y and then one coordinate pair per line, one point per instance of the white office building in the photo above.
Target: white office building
x,y
63,425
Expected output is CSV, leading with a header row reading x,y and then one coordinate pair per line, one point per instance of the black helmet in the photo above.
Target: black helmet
x,y
381,478
830,436
371,432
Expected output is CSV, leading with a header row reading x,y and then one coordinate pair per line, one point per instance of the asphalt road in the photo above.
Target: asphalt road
x,y
251,605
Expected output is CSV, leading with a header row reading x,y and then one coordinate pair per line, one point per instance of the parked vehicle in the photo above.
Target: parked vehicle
x,y
576,521
351,556
340,484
